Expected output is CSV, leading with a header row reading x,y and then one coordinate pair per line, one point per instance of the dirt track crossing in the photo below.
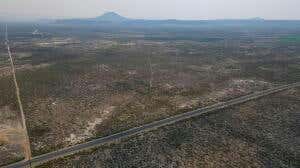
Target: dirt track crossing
x,y
27,150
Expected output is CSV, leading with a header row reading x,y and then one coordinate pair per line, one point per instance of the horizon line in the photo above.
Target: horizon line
x,y
38,19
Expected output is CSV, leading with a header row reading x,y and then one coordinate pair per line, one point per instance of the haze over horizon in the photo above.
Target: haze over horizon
x,y
20,10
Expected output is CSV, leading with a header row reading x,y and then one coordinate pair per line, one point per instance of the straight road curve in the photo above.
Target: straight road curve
x,y
147,127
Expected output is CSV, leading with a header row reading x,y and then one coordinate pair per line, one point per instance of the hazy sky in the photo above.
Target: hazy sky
x,y
151,9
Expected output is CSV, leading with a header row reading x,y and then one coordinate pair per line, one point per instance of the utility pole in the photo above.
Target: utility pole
x,y
27,149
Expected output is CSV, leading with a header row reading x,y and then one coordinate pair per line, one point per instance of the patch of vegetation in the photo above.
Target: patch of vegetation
x,y
7,92
178,137
237,137
11,161
290,39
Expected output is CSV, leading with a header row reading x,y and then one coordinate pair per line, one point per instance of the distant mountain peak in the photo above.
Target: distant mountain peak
x,y
111,16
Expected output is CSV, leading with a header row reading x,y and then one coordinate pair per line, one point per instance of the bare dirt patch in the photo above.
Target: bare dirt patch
x,y
12,139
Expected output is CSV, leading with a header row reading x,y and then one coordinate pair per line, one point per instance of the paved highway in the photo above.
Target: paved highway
x,y
180,117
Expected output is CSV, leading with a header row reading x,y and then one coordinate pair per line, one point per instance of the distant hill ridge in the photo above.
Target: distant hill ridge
x,y
111,16
114,19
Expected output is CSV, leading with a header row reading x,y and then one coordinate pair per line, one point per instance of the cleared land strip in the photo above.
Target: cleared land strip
x,y
180,117
27,150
